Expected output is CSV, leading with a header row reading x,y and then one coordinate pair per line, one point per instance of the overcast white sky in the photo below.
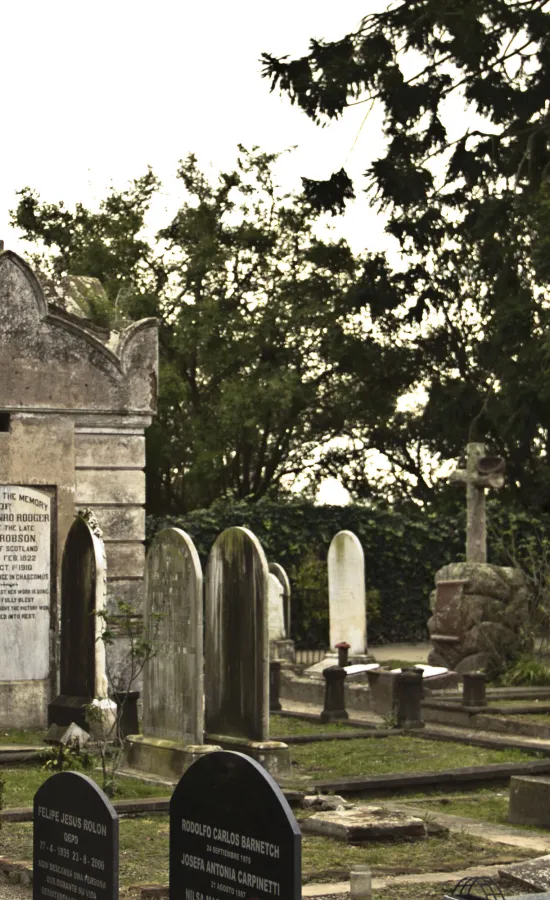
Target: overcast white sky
x,y
93,93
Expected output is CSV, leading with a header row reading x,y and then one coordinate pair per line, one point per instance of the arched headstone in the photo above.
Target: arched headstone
x,y
346,593
277,570
232,833
173,687
75,843
236,645
83,592
173,682
276,613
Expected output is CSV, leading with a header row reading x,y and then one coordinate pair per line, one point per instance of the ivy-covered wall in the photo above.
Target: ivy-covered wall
x,y
402,553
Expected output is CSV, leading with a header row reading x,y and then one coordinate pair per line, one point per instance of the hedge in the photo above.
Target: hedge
x,y
402,553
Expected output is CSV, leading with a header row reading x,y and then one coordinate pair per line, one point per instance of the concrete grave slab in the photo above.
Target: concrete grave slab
x,y
369,823
533,874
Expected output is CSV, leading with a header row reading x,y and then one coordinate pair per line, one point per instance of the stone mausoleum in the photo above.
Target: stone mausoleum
x,y
75,401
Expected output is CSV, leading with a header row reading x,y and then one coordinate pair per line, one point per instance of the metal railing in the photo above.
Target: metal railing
x,y
310,657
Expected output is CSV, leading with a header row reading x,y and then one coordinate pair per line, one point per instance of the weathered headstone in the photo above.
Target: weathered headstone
x,y
277,570
237,648
75,844
346,593
278,591
83,592
232,833
25,587
275,605
173,704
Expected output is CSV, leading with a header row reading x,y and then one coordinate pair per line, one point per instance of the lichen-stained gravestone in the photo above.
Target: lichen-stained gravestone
x,y
173,686
75,844
83,595
277,570
25,583
275,602
346,593
232,833
236,641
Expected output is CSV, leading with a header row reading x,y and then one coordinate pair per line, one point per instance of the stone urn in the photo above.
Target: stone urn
x,y
479,616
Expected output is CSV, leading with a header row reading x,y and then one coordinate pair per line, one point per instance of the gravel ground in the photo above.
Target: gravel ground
x,y
10,891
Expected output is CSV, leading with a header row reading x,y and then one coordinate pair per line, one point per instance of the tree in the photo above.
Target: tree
x,y
470,211
259,326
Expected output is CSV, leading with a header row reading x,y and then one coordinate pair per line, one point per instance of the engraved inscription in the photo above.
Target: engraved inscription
x,y
25,575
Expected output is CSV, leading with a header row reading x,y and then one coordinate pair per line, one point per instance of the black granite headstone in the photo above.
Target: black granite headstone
x,y
232,833
75,852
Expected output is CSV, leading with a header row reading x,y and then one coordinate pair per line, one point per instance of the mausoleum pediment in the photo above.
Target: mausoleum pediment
x,y
50,359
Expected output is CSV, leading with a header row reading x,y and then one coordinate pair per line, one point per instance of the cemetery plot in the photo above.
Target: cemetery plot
x,y
75,845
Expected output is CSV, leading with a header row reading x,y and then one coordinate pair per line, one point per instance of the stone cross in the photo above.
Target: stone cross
x,y
481,472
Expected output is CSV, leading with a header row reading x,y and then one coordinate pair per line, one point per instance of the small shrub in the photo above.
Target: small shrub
x,y
526,671
62,758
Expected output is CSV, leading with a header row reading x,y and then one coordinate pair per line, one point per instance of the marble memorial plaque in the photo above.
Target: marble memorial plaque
x,y
25,582
75,845
232,833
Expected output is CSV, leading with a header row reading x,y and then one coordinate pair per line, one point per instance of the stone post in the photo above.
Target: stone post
x,y
473,689
343,653
410,692
335,704
274,685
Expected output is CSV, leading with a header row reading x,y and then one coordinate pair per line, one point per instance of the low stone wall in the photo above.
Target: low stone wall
x,y
482,720
303,689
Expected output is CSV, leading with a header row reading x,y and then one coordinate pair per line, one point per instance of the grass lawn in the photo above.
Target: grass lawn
x,y
482,805
32,736
288,725
144,853
21,785
378,756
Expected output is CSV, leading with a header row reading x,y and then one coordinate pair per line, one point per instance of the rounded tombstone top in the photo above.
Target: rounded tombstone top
x,y
346,542
175,539
280,573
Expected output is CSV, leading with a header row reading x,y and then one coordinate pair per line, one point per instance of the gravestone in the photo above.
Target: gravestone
x,y
346,595
26,588
75,400
281,647
83,592
232,833
277,570
237,649
173,716
75,842
275,605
